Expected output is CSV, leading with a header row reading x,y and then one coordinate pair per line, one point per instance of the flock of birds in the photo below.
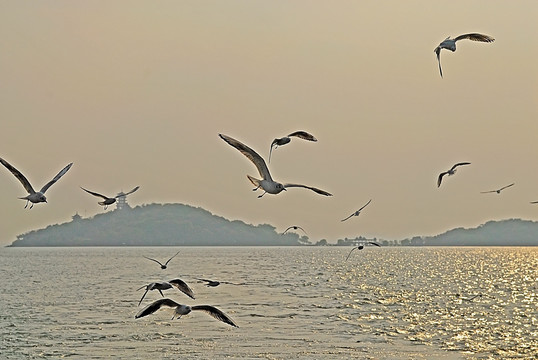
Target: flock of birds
x,y
266,184
179,309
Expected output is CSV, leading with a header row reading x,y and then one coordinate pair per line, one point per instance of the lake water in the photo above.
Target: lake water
x,y
295,303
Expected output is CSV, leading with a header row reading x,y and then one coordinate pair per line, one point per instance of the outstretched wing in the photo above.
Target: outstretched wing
x,y
374,243
365,205
251,155
507,186
460,164
303,135
56,178
475,37
19,176
156,305
440,178
166,263
157,261
438,52
183,287
348,217
94,193
319,191
216,313
130,192
348,255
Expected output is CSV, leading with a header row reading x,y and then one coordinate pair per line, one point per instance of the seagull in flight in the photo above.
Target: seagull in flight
x,y
109,200
163,266
34,197
360,247
450,172
165,285
356,213
215,283
498,191
267,183
286,139
450,44
294,227
180,310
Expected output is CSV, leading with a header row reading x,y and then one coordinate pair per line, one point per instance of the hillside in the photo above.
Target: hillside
x,y
156,225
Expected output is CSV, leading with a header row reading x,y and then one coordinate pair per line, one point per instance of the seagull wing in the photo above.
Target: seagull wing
x,y
438,52
156,305
216,313
348,255
348,217
56,178
19,176
440,178
166,263
460,164
132,191
475,37
291,227
143,296
487,192
319,191
251,155
365,205
374,243
157,261
507,186
183,287
298,227
303,135
95,194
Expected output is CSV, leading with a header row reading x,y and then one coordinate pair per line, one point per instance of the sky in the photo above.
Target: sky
x,y
136,93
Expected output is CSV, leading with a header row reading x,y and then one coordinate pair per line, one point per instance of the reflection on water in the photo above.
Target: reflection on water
x,y
304,302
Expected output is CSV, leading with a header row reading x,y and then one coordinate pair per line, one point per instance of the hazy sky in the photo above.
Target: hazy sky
x,y
136,93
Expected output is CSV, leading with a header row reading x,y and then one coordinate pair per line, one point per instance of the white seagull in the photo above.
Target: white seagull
x,y
294,227
450,172
360,247
165,285
356,213
498,191
34,197
109,200
181,310
450,44
286,139
163,266
267,183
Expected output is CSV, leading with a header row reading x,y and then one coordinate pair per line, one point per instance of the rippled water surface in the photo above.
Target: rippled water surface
x,y
294,303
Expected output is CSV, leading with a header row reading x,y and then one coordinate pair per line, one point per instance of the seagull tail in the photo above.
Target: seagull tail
x,y
254,181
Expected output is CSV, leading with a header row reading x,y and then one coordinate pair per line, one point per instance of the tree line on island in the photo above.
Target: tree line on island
x,y
185,225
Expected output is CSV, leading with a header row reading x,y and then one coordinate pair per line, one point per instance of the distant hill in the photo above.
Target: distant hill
x,y
157,225
512,232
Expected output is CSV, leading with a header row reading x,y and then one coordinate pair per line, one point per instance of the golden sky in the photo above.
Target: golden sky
x,y
136,93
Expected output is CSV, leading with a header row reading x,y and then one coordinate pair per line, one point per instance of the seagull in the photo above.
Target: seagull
x,y
450,44
158,262
356,213
34,197
360,247
294,227
498,191
165,285
450,172
267,184
181,310
108,200
286,139
214,283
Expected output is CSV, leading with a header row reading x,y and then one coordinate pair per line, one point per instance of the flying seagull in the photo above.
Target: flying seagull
x,y
356,213
267,183
360,247
215,283
498,191
181,310
450,172
165,285
109,200
294,227
286,139
158,262
450,44
34,197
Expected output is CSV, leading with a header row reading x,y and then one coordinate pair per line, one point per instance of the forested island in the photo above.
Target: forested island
x,y
185,225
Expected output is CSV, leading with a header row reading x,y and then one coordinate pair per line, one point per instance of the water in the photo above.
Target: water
x,y
296,303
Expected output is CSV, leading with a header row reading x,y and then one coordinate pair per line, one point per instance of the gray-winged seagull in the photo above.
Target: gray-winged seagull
x,y
498,191
286,139
109,200
450,172
356,213
360,247
163,266
165,285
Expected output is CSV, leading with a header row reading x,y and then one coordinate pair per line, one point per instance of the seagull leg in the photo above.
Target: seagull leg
x,y
259,196
161,292
25,206
105,207
31,206
256,188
